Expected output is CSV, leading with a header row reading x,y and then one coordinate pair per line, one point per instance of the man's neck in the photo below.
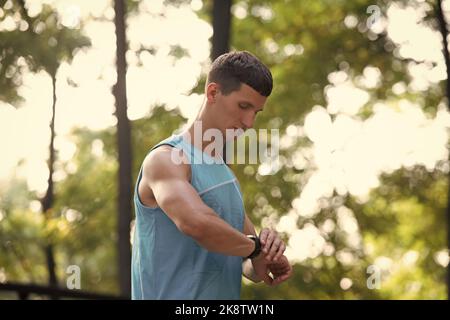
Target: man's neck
x,y
195,135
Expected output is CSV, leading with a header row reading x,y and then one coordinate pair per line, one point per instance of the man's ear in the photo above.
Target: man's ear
x,y
212,89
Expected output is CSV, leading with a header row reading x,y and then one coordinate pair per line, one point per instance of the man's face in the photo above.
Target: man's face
x,y
238,109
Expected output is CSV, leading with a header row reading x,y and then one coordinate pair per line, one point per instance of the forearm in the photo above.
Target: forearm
x,y
216,235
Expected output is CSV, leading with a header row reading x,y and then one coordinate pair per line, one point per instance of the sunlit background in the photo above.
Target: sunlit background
x,y
339,148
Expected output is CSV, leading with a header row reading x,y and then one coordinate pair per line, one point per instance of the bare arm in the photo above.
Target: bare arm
x,y
182,204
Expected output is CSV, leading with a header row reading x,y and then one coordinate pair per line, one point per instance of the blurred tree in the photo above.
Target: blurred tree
x,y
43,42
83,226
124,151
19,230
404,224
443,28
303,43
85,196
399,227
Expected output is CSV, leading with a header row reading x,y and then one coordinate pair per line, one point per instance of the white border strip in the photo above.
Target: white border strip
x,y
216,186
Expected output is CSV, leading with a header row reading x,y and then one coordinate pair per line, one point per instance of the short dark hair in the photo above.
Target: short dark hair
x,y
233,68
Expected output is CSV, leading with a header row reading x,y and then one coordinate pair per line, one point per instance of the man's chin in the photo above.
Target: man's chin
x,y
233,133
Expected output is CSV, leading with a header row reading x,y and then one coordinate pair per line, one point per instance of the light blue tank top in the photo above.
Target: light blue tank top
x,y
167,264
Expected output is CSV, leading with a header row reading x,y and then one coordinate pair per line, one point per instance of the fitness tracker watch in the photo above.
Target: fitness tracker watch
x,y
257,250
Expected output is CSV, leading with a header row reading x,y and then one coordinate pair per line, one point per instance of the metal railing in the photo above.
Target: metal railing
x,y
24,291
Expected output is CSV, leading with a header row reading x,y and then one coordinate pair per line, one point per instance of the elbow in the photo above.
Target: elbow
x,y
193,228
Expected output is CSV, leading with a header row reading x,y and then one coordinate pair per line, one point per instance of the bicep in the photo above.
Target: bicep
x,y
177,198
173,193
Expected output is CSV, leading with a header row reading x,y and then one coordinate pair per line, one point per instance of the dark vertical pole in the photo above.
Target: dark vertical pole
x,y
47,201
124,150
221,27
444,33
221,21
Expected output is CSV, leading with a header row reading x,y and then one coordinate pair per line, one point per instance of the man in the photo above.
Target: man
x,y
192,237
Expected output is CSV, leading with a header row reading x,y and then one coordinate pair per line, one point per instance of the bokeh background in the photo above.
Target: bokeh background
x,y
360,193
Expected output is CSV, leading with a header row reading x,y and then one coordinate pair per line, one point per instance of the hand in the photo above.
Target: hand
x,y
281,270
272,245
261,269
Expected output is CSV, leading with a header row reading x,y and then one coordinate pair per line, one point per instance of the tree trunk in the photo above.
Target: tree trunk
x,y
124,150
47,201
444,33
221,22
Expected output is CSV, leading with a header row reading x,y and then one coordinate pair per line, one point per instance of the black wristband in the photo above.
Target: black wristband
x,y
257,250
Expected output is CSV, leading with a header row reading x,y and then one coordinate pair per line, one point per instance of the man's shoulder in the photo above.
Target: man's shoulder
x,y
166,161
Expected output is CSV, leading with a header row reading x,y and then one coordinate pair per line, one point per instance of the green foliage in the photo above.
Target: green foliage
x,y
318,43
37,43
84,223
403,221
21,234
91,192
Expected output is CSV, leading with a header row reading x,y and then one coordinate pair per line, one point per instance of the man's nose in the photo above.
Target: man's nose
x,y
248,121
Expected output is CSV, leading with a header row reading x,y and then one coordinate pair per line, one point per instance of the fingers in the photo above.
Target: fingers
x,y
263,238
263,235
280,270
282,276
272,245
280,279
273,248
267,279
278,250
